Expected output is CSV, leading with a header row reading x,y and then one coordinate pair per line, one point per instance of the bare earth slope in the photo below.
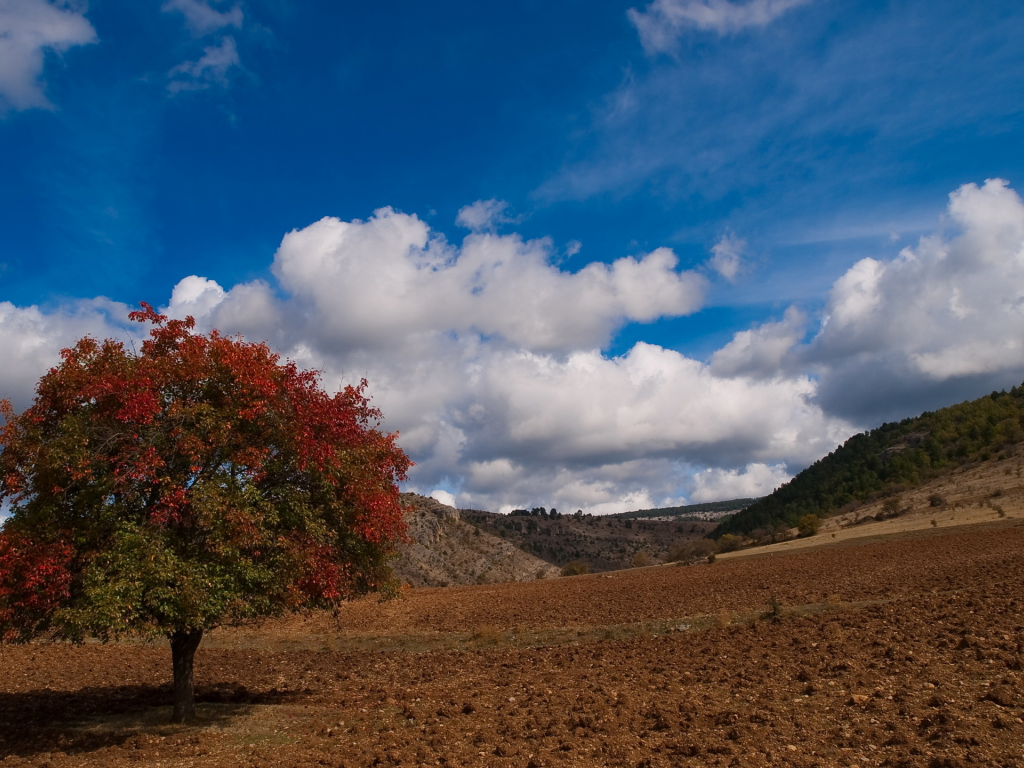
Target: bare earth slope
x,y
904,653
443,549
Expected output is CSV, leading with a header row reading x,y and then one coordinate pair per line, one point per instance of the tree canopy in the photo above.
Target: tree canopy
x,y
198,482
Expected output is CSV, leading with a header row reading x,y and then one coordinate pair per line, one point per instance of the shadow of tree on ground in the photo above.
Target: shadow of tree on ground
x,y
73,722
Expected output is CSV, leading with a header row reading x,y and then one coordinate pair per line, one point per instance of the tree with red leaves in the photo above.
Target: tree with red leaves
x,y
200,482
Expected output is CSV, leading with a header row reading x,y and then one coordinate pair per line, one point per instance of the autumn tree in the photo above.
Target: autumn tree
x,y
198,482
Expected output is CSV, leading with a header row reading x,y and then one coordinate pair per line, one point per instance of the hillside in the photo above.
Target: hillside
x,y
711,510
605,543
989,492
444,550
890,460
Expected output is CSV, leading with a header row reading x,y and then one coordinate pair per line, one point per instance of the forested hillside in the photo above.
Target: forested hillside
x,y
892,458
707,510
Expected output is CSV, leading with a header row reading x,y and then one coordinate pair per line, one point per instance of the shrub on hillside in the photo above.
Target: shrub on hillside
x,y
809,525
891,508
760,535
692,551
729,543
642,560
575,568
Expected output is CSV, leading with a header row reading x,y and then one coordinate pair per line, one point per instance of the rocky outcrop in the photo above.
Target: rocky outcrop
x,y
444,550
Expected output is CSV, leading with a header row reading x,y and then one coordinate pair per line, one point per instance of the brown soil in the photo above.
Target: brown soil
x,y
904,652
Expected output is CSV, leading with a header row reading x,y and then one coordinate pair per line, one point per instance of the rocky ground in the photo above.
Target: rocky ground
x,y
905,652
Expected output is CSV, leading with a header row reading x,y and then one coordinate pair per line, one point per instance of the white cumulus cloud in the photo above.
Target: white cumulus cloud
x,y
752,481
28,29
948,309
195,296
763,351
486,356
384,280
443,496
589,409
31,339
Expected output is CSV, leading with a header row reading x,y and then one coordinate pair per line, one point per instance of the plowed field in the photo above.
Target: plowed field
x,y
900,653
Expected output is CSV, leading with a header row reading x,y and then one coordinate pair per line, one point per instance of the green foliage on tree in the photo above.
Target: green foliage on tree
x,y
889,459
809,525
196,483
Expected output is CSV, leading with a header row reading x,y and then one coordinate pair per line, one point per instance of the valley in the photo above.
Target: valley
x,y
603,543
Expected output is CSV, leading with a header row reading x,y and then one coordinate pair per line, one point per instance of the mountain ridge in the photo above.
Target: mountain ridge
x,y
703,511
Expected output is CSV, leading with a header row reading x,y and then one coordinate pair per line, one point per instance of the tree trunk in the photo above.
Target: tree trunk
x,y
183,653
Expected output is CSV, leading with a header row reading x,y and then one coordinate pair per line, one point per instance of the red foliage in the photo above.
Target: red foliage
x,y
212,446
34,580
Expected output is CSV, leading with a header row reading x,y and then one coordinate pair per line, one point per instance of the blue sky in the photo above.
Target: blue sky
x,y
771,145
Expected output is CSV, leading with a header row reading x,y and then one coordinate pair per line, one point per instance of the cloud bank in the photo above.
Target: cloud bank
x,y
940,319
488,357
